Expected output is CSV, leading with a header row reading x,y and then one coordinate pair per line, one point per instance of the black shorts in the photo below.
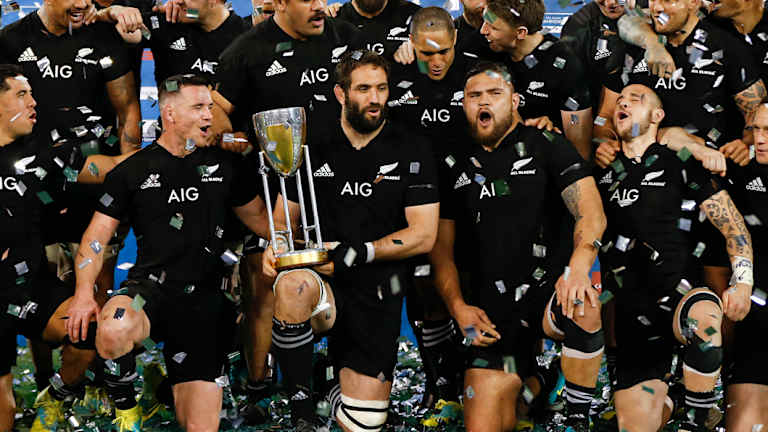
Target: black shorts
x,y
518,323
643,324
21,316
364,336
198,328
749,352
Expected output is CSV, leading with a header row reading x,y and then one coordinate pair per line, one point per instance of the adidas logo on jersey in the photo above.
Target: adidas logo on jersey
x,y
642,66
607,179
463,180
153,181
27,55
179,45
275,69
756,185
602,53
324,171
407,99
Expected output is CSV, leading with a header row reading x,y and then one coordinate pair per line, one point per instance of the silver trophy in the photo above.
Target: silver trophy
x,y
281,134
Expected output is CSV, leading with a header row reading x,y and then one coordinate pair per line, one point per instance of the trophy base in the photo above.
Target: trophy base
x,y
301,258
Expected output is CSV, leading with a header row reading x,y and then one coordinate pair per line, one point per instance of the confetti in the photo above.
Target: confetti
x,y
404,84
501,187
479,179
500,286
617,166
600,121
752,220
43,64
106,200
13,119
663,18
138,303
470,392
106,62
489,16
423,67
683,287
190,145
229,257
559,62
713,134
622,243
433,44
545,45
684,154
45,197
548,135
149,344
112,140
539,251
605,297
521,291
21,268
539,273
193,14
222,381
21,188
635,129
530,61
415,167
112,367
84,263
759,297
571,104
349,257
520,149
648,389
119,313
699,250
179,357
177,221
95,246
650,160
644,320
684,224
323,409
189,289
480,363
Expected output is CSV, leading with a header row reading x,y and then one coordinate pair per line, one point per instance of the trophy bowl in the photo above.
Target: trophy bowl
x,y
281,134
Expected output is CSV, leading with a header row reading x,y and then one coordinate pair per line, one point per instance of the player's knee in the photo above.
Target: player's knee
x,y
114,336
707,317
362,415
296,286
581,340
198,423
637,416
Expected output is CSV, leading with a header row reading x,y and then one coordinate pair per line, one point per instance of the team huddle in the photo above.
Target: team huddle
x,y
477,167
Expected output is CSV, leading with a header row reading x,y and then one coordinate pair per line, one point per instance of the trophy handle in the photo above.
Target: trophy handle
x,y
268,201
312,199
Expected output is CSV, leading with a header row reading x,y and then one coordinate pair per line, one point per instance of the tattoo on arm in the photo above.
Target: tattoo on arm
x,y
634,30
571,196
725,217
748,100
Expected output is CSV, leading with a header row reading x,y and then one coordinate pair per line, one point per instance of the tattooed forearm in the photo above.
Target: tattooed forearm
x,y
571,196
635,30
748,100
726,217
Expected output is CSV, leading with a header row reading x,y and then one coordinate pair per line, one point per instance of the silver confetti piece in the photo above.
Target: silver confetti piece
x,y
190,145
684,224
500,286
759,296
644,320
520,291
96,246
349,257
84,263
571,104
179,357
530,61
415,167
622,243
106,200
229,257
539,251
21,268
106,62
13,119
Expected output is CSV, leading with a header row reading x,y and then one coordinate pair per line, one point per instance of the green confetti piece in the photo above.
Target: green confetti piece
x,y
699,249
710,331
90,375
93,169
705,346
283,46
619,280
521,150
233,356
617,166
692,323
14,310
648,389
501,187
138,303
202,170
694,186
480,363
509,364
559,62
70,174
422,67
193,14
176,221
189,289
622,176
89,148
651,159
539,273
548,135
605,297
489,16
683,154
172,85
45,197
149,344
111,140
20,280
397,241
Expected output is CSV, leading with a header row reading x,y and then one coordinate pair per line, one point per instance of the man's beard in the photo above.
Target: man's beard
x,y
475,18
501,126
370,6
356,116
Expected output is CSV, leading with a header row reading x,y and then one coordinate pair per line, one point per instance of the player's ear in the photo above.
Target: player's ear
x,y
339,93
522,32
657,115
515,100
281,5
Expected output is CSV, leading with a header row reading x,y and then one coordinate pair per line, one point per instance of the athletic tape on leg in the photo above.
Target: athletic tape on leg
x,y
362,415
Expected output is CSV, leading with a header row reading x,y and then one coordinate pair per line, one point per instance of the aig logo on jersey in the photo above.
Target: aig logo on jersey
x,y
7,183
517,167
357,189
315,76
648,179
205,66
625,197
183,195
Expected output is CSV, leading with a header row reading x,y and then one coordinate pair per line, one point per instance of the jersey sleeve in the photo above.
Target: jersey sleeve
x,y
564,163
116,199
246,183
741,70
232,73
422,178
118,53
448,198
573,92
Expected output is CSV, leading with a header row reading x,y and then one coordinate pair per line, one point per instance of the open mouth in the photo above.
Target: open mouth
x,y
76,16
33,116
374,111
484,118
622,115
317,20
204,130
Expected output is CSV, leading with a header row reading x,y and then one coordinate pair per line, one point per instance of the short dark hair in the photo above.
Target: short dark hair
x,y
432,18
8,71
490,68
174,83
528,13
353,60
